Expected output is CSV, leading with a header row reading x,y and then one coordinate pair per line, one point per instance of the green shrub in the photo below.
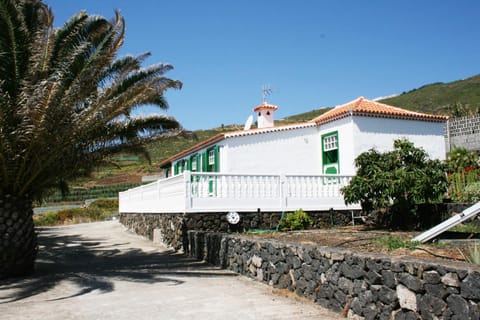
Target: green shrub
x,y
460,158
398,180
98,210
49,218
471,193
458,183
298,220
393,243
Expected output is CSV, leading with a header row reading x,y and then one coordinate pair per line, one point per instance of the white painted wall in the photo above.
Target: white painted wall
x,y
288,152
265,118
299,151
379,133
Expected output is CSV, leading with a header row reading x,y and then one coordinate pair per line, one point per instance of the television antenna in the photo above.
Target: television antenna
x,y
266,91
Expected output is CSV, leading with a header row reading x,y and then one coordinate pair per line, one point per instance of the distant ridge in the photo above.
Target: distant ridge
x,y
455,98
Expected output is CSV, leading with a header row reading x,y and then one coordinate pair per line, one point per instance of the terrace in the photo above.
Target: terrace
x,y
218,192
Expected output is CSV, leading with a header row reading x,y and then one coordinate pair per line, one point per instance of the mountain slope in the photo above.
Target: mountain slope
x,y
441,98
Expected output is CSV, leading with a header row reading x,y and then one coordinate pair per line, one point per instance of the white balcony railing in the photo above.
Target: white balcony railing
x,y
217,192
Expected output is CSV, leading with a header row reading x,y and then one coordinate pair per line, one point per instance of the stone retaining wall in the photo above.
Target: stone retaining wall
x,y
171,228
364,286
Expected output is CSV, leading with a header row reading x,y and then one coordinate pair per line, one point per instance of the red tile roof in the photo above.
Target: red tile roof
x,y
265,105
362,106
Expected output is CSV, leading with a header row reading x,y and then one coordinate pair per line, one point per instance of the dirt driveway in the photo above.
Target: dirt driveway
x,y
101,271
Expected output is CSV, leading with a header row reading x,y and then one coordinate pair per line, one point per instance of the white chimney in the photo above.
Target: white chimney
x,y
265,114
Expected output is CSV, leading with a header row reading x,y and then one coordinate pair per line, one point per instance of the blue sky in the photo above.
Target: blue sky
x,y
312,53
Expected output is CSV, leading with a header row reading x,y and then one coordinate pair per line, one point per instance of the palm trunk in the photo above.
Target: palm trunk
x,y
18,240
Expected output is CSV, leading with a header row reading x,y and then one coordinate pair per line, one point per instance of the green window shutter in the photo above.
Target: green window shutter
x,y
216,166
192,162
330,157
331,170
198,157
175,168
205,161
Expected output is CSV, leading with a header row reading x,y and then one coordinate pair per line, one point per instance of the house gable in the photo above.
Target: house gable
x,y
365,107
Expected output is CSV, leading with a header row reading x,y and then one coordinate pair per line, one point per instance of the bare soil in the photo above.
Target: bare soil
x,y
360,238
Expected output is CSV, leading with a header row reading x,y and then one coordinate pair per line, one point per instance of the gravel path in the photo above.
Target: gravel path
x,y
101,271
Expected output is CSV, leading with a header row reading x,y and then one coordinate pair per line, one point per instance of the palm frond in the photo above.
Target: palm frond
x,y
63,97
14,47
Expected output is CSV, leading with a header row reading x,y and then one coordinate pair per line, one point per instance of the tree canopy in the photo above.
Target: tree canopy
x,y
66,102
65,97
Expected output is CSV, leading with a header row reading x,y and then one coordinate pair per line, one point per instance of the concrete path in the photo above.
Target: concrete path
x,y
101,271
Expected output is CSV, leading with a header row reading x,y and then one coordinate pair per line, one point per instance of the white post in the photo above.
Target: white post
x,y
187,178
283,192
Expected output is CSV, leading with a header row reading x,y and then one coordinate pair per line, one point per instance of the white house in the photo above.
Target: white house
x,y
327,144
295,166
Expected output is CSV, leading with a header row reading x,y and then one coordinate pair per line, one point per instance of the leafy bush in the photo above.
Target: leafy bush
x,y
398,179
462,172
459,181
49,218
298,220
98,210
461,158
471,193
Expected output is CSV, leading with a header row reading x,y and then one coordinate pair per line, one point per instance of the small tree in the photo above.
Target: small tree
x,y
398,180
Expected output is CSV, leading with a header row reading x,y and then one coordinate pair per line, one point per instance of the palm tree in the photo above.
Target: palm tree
x,y
65,104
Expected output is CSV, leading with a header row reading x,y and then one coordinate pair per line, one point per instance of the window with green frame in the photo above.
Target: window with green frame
x,y
330,153
211,160
211,163
195,163
181,165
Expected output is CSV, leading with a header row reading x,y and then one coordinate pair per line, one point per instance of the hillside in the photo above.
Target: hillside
x,y
453,98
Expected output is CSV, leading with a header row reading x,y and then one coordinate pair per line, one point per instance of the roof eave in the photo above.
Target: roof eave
x,y
419,117
203,144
